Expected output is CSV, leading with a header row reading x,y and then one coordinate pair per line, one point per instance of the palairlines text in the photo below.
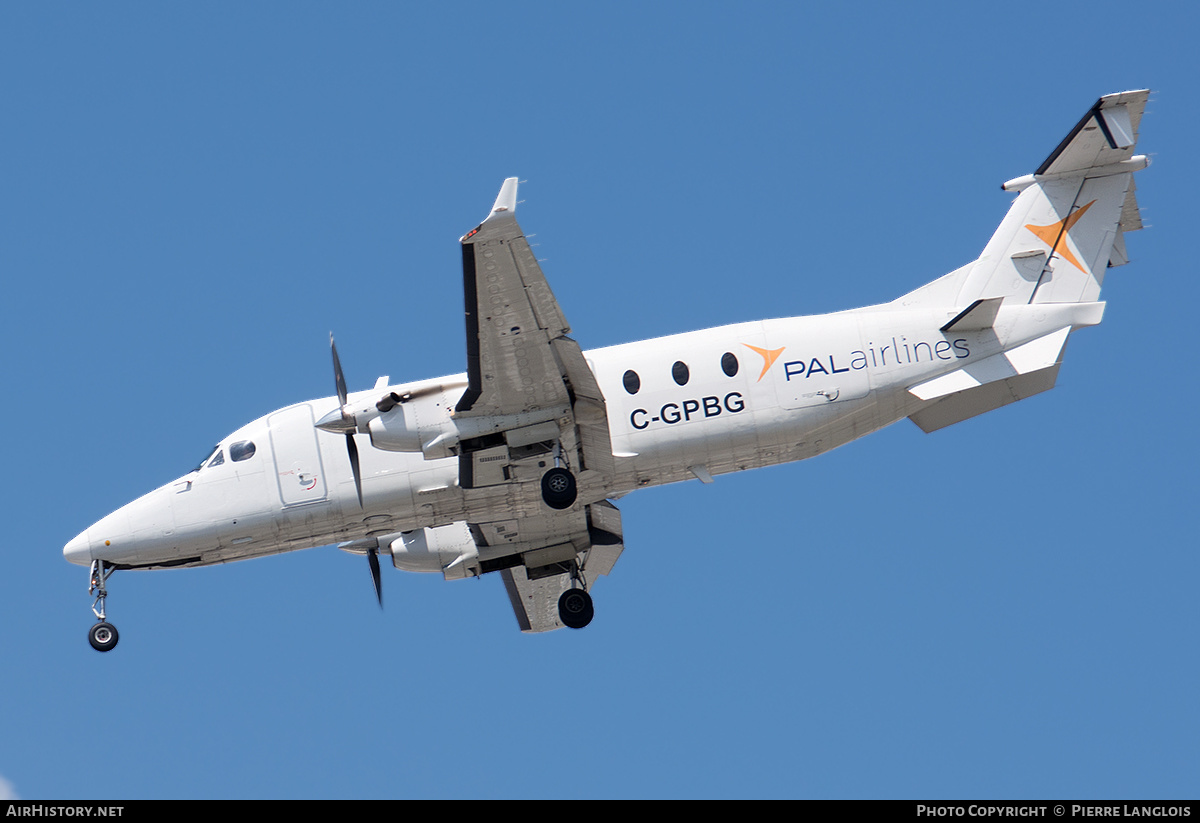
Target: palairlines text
x,y
901,353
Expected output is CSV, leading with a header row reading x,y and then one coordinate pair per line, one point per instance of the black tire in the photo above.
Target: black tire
x,y
558,488
103,637
575,608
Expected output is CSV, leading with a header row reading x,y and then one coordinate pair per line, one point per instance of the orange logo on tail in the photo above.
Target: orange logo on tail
x,y
1055,236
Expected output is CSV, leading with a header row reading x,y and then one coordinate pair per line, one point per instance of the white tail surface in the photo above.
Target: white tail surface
x,y
1058,238
1067,225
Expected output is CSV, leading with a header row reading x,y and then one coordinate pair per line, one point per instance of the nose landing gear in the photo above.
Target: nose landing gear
x,y
103,636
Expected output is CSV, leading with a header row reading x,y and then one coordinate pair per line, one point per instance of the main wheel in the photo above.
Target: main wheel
x,y
103,637
575,608
558,488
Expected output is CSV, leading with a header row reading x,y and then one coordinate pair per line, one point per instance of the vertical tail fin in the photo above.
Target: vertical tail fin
x,y
1067,225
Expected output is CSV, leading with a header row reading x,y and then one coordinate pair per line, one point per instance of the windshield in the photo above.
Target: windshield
x,y
211,452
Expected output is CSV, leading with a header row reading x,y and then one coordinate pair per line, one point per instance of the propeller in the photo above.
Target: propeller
x,y
370,547
373,559
347,425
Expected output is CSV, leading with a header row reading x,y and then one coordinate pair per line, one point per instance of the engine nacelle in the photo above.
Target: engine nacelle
x,y
415,425
427,425
447,549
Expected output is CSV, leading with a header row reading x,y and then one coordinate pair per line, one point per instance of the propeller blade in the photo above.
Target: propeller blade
x,y
338,377
347,422
352,449
373,559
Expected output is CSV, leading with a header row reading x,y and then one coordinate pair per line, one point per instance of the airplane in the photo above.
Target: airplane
x,y
512,467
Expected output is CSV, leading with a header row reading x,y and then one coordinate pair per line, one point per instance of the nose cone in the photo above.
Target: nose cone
x,y
79,550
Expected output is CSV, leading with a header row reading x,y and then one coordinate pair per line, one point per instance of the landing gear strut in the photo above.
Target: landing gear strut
x,y
103,636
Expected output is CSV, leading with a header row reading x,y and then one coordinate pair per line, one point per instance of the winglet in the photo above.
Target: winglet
x,y
506,200
504,207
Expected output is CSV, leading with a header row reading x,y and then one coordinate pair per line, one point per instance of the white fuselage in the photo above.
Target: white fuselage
x,y
799,387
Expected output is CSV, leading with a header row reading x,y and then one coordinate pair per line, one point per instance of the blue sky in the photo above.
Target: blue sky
x,y
194,197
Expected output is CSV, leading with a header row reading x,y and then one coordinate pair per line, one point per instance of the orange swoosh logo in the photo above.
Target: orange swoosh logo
x,y
1055,236
769,356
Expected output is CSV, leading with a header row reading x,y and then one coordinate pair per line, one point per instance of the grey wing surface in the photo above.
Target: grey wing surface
x,y
531,401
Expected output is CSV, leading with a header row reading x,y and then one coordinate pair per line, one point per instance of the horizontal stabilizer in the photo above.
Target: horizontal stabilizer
x,y
973,402
1106,135
978,316
1035,355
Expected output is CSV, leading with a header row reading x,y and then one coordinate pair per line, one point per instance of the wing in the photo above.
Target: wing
x,y
522,368
531,402
591,539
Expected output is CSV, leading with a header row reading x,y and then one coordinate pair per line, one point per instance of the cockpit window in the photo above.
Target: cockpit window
x,y
217,460
242,450
210,456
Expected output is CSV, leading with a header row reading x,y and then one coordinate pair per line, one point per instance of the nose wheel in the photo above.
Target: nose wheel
x,y
103,636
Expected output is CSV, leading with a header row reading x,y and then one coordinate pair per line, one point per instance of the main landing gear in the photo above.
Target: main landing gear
x,y
558,488
558,484
103,636
575,604
575,608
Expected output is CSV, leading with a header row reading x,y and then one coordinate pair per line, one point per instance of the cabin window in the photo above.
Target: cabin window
x,y
632,381
242,450
729,363
680,372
